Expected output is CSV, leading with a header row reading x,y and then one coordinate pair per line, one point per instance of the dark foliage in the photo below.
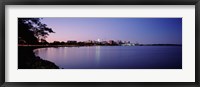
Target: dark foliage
x,y
31,30
28,60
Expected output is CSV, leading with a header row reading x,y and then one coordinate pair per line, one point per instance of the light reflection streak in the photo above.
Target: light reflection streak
x,y
97,55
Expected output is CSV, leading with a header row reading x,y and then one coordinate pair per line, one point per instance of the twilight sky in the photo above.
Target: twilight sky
x,y
142,30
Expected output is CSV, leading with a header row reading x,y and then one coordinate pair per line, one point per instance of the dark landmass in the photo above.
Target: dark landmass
x,y
77,45
28,60
158,45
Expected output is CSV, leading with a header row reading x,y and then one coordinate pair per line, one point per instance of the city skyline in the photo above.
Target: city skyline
x,y
142,30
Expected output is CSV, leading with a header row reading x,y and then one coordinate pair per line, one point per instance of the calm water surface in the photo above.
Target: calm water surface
x,y
114,57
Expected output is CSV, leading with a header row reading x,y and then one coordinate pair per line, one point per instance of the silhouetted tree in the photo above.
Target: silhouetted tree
x,y
56,43
31,30
44,42
62,43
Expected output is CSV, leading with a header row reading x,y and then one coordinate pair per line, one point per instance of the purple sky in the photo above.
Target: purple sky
x,y
142,30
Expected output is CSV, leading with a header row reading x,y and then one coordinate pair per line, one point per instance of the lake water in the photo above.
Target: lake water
x,y
114,57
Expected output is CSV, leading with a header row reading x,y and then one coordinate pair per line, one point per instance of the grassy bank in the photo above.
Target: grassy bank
x,y
28,60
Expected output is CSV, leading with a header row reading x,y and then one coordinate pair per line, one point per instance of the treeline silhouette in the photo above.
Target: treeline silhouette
x,y
80,43
32,31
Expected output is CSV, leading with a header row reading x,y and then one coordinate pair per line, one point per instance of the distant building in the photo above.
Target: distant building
x,y
71,42
89,41
104,42
119,42
98,40
111,42
128,44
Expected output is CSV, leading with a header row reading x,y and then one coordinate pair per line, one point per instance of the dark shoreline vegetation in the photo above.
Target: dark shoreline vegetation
x,y
28,60
77,45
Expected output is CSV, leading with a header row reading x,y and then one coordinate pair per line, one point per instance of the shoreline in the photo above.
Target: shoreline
x,y
44,46
28,60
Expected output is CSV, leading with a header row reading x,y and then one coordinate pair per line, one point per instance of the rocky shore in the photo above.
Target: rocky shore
x,y
28,60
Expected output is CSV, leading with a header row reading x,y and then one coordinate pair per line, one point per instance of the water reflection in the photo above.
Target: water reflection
x,y
114,57
97,55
